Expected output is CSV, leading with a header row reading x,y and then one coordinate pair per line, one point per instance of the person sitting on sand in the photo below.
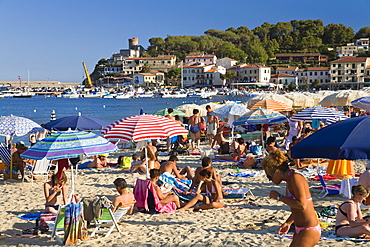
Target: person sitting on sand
x,y
213,187
125,198
17,161
137,165
237,154
169,167
298,198
219,139
206,165
151,152
270,144
346,223
55,193
99,162
163,197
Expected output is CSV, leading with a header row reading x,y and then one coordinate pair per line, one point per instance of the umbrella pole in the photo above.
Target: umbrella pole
x,y
11,158
146,161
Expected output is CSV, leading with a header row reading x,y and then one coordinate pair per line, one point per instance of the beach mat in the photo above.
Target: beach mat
x,y
330,236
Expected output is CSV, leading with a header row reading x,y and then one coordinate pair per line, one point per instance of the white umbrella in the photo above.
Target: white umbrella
x,y
342,98
271,96
188,109
300,100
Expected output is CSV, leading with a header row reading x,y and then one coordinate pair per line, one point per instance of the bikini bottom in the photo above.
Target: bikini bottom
x,y
316,228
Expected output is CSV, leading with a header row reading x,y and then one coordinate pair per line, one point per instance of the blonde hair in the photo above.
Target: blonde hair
x,y
274,161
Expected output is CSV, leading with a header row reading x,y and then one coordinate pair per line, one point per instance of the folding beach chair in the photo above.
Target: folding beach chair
x,y
5,154
57,226
108,220
41,168
327,189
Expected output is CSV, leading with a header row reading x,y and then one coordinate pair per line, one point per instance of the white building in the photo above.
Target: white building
x,y
200,59
255,73
226,62
203,75
284,79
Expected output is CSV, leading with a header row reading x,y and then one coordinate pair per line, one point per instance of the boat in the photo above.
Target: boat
x,y
109,96
70,95
125,95
145,95
24,95
175,95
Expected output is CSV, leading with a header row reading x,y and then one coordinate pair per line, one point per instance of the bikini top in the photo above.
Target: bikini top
x,y
213,188
288,194
344,213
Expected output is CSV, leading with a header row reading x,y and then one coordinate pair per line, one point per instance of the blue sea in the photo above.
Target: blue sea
x,y
39,108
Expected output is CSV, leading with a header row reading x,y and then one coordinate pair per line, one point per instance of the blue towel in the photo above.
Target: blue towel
x,y
84,165
242,174
34,216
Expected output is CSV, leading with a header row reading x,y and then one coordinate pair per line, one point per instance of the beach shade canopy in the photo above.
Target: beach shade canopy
x,y
342,98
261,116
271,96
300,100
164,112
69,144
226,110
143,127
321,113
76,123
348,139
272,105
363,103
187,109
14,125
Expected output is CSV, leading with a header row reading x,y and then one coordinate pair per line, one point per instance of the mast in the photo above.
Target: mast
x,y
182,82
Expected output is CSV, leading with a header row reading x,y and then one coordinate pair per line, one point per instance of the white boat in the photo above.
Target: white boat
x,y
10,93
145,95
109,96
71,96
125,95
24,95
175,95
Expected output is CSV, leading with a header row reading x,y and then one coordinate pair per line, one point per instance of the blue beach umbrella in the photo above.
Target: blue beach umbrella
x,y
76,123
69,144
329,114
14,125
261,116
236,110
348,139
363,103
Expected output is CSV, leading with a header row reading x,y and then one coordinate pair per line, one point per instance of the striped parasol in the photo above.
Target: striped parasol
x,y
363,103
319,112
143,127
70,144
272,105
261,116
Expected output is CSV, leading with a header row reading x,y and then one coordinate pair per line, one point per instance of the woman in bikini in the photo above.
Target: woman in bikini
x,y
298,198
213,187
55,193
194,127
348,211
237,153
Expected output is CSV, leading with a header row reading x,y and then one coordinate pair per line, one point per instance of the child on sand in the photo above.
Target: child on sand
x,y
125,199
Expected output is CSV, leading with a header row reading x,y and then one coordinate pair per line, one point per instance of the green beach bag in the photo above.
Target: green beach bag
x,y
126,163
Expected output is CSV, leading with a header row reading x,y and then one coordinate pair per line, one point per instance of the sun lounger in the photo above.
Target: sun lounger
x,y
327,189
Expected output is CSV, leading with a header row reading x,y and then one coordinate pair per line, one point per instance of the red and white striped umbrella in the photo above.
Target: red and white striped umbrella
x,y
143,127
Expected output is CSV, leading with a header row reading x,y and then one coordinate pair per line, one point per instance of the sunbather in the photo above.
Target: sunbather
x,y
151,154
346,223
206,165
55,193
99,162
270,144
17,161
298,198
170,168
213,187
237,154
164,198
125,199
137,165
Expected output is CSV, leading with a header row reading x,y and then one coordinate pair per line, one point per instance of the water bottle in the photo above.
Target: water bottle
x,y
237,169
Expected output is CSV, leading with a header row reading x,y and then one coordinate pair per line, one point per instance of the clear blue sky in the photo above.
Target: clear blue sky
x,y
51,39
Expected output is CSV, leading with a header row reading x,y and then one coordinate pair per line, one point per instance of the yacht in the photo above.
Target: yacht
x,y
125,95
145,95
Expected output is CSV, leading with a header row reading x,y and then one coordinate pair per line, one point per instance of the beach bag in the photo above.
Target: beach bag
x,y
256,149
126,163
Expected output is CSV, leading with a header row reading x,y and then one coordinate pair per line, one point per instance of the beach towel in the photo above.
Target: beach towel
x,y
141,197
181,184
247,174
74,224
326,177
331,236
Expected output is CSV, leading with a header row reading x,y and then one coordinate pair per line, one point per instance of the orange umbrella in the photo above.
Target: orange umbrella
x,y
342,169
272,105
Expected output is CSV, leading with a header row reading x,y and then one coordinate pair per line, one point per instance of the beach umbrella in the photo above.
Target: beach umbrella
x,y
82,123
342,98
143,127
319,112
261,116
272,105
188,109
164,112
300,100
69,144
226,110
271,96
348,139
14,125
363,103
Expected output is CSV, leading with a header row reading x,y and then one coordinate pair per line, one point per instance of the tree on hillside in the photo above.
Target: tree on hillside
x,y
229,50
256,53
337,34
364,32
263,31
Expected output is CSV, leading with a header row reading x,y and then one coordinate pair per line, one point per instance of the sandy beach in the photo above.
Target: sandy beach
x,y
238,224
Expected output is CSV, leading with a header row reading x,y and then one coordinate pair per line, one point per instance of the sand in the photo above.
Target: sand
x,y
232,226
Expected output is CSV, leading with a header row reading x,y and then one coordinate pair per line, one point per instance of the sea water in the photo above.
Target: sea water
x,y
39,108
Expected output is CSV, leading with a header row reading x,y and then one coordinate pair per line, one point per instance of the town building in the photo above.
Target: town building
x,y
289,70
203,75
284,79
348,50
226,62
206,59
301,57
135,65
248,74
149,80
134,50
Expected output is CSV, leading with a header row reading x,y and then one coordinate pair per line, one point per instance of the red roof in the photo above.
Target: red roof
x,y
350,59
282,75
318,68
286,69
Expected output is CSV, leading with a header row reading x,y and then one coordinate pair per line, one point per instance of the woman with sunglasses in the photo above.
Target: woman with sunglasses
x,y
298,198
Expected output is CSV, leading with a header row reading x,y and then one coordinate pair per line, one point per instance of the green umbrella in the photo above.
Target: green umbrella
x,y
164,112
